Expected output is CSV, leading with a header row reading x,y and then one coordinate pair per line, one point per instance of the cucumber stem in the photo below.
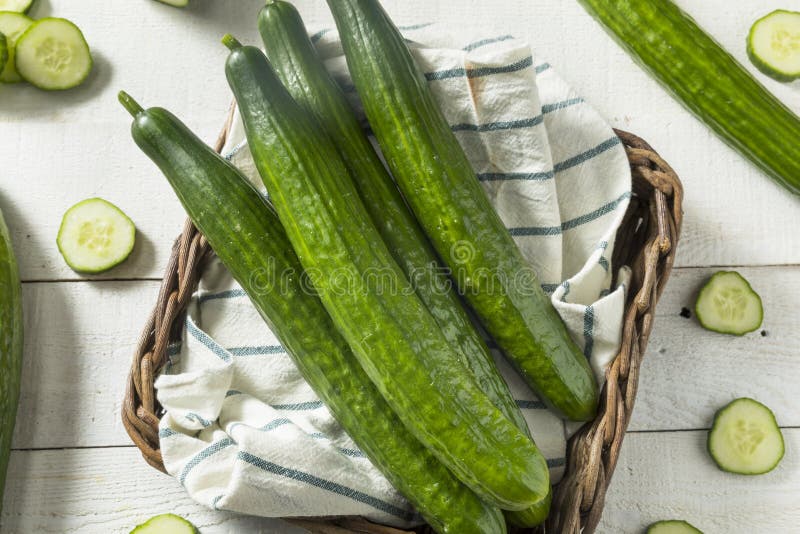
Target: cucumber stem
x,y
129,103
231,42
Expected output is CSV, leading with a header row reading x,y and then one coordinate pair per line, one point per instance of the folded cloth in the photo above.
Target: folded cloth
x,y
244,432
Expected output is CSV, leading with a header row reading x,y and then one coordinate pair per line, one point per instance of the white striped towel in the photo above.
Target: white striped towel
x,y
244,432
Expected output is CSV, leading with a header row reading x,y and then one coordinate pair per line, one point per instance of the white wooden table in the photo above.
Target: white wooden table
x,y
74,469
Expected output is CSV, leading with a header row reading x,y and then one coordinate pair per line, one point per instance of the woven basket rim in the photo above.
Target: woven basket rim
x,y
646,242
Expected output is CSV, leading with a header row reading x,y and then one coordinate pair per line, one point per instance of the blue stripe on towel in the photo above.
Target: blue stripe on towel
x,y
572,223
211,450
583,157
327,485
556,462
526,176
588,331
530,404
231,293
203,338
496,126
298,406
256,350
550,108
483,42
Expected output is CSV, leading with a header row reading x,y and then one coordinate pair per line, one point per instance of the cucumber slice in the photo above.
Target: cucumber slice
x,y
20,6
12,25
3,51
165,524
727,304
773,45
673,526
53,55
176,3
745,438
95,236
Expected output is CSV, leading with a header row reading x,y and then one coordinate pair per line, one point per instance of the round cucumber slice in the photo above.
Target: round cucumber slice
x,y
727,304
745,438
20,6
53,55
673,526
3,51
773,45
95,236
12,25
165,524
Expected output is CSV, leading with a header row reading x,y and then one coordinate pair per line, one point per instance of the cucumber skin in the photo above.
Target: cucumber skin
x,y
3,52
455,212
214,194
391,333
690,529
176,518
294,58
708,81
10,347
761,64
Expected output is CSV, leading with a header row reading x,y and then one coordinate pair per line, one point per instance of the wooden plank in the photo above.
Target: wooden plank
x,y
670,476
104,490
61,148
688,372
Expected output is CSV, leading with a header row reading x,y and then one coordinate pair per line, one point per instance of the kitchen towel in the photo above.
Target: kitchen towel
x,y
244,432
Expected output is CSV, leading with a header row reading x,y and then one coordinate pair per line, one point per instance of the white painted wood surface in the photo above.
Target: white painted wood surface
x,y
73,469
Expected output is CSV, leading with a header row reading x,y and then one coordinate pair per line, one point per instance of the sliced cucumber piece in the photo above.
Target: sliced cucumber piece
x,y
773,45
3,51
745,438
20,6
12,25
176,3
673,526
53,55
727,304
95,236
165,524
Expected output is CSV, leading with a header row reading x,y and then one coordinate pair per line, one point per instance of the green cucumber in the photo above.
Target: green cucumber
x,y
369,298
672,526
745,438
12,25
441,188
176,3
53,55
708,81
304,75
10,347
3,51
773,45
217,196
95,236
166,524
19,6
727,304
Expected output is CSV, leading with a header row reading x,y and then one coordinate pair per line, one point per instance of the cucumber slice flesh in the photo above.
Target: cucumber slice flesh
x,y
165,524
95,236
3,51
727,304
774,45
745,438
19,6
673,526
12,25
53,55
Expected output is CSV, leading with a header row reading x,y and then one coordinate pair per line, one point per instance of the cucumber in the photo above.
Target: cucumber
x,y
673,526
166,524
292,55
10,347
708,81
727,304
369,298
773,45
53,55
176,3
3,51
12,25
19,6
745,438
95,236
216,196
441,188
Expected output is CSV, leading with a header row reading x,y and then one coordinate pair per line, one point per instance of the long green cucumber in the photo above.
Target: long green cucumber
x,y
708,81
247,236
294,58
440,186
10,347
372,303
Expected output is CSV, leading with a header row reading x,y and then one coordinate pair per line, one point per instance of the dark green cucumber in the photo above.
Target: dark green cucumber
x,y
709,81
440,186
294,58
372,303
10,347
259,256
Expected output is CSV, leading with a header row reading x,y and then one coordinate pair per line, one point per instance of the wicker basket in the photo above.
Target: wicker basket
x,y
646,241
